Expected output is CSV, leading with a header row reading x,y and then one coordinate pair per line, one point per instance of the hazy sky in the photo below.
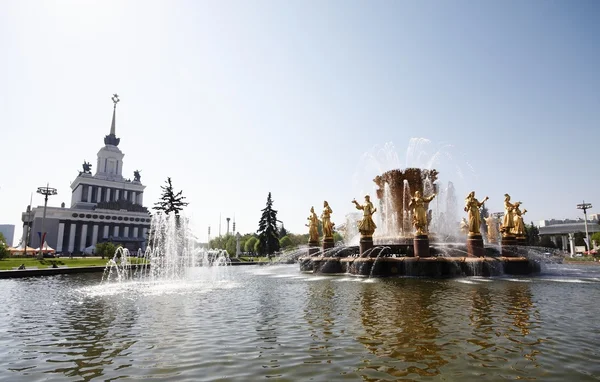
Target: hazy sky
x,y
233,99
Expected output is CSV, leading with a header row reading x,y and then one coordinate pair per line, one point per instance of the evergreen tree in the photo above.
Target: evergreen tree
x,y
169,200
282,232
533,234
268,236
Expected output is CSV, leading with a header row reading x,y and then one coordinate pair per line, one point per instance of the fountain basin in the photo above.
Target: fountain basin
x,y
434,267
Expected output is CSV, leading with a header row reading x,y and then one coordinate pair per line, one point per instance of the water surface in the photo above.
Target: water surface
x,y
274,323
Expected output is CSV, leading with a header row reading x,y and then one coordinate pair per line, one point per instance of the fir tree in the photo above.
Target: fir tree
x,y
282,231
169,200
267,229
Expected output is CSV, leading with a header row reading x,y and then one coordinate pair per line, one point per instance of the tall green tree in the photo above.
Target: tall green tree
x,y
170,201
268,235
533,234
282,231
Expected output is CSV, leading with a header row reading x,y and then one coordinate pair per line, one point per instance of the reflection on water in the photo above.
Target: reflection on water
x,y
401,324
261,323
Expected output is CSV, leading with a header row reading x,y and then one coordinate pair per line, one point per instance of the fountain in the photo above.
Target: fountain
x,y
404,245
171,255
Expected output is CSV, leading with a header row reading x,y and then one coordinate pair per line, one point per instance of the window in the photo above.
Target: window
x,y
84,192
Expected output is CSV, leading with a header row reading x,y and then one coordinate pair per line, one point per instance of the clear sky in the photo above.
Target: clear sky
x,y
233,99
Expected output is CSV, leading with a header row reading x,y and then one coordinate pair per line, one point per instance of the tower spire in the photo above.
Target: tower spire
x,y
112,139
115,99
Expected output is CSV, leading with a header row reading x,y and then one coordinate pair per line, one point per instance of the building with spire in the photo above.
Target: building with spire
x,y
105,206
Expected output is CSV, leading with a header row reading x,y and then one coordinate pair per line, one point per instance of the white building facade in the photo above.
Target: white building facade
x,y
104,207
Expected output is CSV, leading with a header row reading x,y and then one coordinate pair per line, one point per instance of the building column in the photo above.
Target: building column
x,y
125,194
116,231
89,195
107,196
565,239
126,232
95,234
59,239
135,232
72,229
117,192
83,237
105,234
99,195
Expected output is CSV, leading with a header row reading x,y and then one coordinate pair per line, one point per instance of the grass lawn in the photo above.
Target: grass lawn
x,y
10,263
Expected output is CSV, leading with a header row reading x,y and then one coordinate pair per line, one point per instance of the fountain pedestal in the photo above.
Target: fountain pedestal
x,y
313,248
421,246
521,240
509,243
366,244
328,243
475,246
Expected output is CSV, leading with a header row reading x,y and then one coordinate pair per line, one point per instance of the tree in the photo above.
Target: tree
x,y
285,242
579,239
267,229
282,231
546,242
106,249
595,238
257,246
170,201
533,234
4,252
250,244
230,245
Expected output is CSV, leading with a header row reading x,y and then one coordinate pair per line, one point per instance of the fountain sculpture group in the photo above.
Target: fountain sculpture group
x,y
404,197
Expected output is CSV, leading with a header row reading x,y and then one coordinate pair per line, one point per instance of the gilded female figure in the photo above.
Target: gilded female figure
x,y
313,226
326,219
508,219
419,204
366,226
472,206
519,225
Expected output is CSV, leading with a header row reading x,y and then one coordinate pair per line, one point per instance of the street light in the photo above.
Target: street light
x,y
585,206
46,191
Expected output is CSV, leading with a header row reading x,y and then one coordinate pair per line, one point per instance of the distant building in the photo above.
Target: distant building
x,y
558,230
8,230
104,207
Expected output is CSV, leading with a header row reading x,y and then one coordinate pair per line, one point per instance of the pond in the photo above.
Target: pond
x,y
274,323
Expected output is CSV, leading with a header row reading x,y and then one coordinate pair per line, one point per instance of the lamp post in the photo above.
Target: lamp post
x,y
46,191
585,206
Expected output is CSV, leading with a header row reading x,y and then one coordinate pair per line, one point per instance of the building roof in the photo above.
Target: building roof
x,y
558,229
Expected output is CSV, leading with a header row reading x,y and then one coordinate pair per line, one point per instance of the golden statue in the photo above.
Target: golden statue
x,y
366,226
326,219
313,226
419,204
508,219
492,229
519,226
472,206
